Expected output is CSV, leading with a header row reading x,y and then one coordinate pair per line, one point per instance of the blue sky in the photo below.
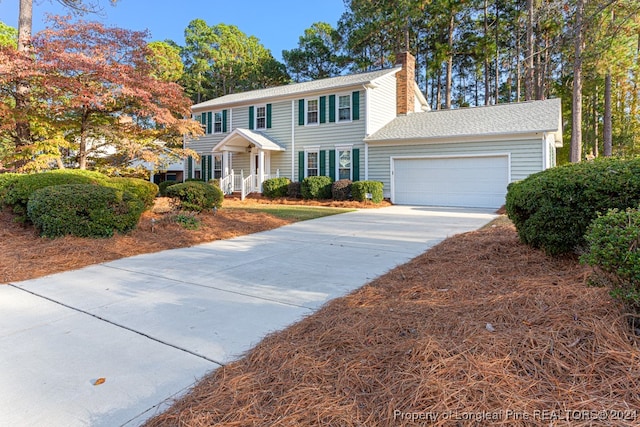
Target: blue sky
x,y
277,23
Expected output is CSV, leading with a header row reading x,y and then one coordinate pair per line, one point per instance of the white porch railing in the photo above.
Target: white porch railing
x,y
245,185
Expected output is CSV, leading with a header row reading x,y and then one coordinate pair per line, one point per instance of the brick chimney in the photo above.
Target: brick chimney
x,y
405,80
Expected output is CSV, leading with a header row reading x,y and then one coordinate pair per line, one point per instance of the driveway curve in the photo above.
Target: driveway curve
x,y
112,344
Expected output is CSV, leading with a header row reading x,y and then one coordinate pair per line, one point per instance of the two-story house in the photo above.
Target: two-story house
x,y
374,126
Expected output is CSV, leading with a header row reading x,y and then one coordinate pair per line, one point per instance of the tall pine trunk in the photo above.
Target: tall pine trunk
x,y
576,128
23,131
606,124
449,76
528,61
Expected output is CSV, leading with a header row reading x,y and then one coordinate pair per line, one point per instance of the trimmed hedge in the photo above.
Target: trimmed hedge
x,y
22,187
316,187
162,187
196,196
614,247
275,187
5,180
341,189
552,209
144,190
360,189
83,210
294,190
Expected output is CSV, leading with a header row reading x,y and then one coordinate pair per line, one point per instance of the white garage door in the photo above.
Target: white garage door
x,y
475,181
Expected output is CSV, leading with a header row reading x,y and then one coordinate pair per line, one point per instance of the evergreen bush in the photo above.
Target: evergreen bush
x,y
614,248
360,189
275,187
83,210
294,190
552,209
316,187
162,187
196,196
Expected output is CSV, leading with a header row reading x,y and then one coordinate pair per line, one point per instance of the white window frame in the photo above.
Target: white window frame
x,y
217,161
308,151
307,111
348,96
216,114
348,148
255,119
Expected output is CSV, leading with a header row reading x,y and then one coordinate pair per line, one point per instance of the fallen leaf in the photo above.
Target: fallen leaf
x,y
99,381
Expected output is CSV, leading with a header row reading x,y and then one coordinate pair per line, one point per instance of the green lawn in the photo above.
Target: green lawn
x,y
295,213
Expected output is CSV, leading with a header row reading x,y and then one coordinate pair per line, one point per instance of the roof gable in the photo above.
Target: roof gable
x,y
501,119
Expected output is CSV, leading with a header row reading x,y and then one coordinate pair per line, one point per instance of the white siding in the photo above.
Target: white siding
x,y
382,103
526,156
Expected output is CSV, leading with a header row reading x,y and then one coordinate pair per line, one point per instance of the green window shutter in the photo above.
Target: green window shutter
x,y
356,163
203,167
332,108
323,109
209,121
332,164
203,122
209,167
323,163
224,121
189,167
300,166
251,119
355,105
301,112
268,116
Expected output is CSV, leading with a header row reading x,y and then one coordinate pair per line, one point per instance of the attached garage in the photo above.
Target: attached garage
x,y
465,157
469,181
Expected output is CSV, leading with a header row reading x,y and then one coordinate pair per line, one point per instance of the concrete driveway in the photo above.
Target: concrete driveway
x,y
151,325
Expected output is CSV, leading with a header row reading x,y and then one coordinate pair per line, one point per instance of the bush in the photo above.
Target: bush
x,y
552,209
275,187
341,189
196,196
144,190
19,190
5,180
316,187
215,182
83,210
294,190
162,187
614,248
360,189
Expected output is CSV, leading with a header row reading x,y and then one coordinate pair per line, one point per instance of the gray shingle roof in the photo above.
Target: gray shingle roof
x,y
296,89
517,118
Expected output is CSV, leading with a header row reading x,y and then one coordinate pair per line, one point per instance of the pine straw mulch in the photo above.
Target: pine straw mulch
x,y
417,343
25,255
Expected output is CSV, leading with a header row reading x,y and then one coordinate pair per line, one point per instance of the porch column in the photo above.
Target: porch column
x,y
261,168
225,163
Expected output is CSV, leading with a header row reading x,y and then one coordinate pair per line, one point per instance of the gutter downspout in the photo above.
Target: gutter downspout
x,y
545,152
367,106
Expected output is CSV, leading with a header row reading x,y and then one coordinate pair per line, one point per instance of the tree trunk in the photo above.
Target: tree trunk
x,y
497,73
23,132
447,100
487,86
528,61
576,129
606,124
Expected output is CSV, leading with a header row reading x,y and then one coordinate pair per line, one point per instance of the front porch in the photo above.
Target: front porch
x,y
238,183
258,148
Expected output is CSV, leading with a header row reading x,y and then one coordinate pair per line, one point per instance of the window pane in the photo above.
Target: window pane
x,y
344,108
344,164
312,111
217,122
261,117
312,163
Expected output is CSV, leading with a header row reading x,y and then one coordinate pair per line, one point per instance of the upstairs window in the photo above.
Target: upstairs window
x,y
312,111
261,117
217,122
344,108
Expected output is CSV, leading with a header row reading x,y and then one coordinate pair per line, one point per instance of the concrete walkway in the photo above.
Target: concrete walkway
x,y
151,325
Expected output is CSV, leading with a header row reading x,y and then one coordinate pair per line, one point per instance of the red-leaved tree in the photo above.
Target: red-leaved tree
x,y
97,92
